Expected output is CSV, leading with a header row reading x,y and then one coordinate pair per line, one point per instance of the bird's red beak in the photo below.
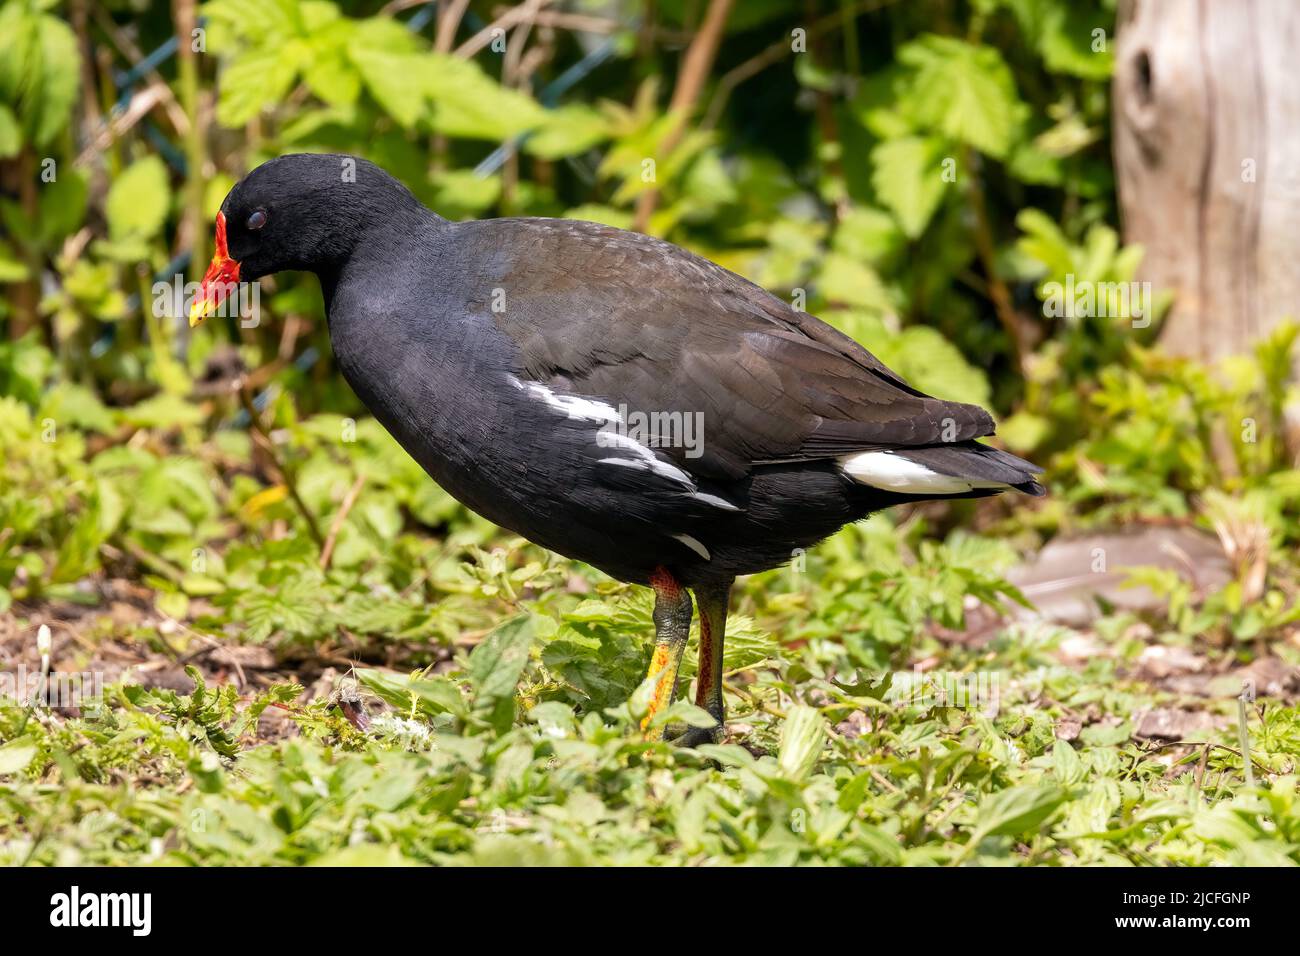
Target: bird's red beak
x,y
218,282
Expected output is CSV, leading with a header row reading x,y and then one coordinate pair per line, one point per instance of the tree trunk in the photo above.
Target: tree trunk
x,y
1207,155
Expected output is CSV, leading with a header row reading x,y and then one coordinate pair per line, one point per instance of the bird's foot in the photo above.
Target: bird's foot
x,y
694,736
684,735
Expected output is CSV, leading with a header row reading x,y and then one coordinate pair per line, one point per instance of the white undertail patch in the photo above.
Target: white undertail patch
x,y
889,471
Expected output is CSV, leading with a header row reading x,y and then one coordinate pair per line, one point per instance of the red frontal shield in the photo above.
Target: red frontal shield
x,y
219,282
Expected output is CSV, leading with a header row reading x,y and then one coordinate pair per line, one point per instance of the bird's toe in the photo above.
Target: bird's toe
x,y
694,736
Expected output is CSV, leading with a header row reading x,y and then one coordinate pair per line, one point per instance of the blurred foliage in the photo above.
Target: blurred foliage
x,y
925,175
837,167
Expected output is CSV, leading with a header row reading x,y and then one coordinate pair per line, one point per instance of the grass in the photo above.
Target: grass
x,y
437,692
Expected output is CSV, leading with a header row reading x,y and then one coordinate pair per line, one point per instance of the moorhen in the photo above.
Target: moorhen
x,y
607,395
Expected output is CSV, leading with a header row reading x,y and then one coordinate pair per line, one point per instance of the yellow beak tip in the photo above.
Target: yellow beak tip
x,y
198,312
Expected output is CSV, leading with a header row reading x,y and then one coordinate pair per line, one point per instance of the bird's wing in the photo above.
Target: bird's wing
x,y
645,326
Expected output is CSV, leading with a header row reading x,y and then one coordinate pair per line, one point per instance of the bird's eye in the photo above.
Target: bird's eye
x,y
257,220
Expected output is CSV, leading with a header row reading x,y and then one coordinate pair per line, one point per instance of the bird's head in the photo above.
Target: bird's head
x,y
302,211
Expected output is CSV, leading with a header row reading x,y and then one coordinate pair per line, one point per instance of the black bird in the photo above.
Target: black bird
x,y
608,395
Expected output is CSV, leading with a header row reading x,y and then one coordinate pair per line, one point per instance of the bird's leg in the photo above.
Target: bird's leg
x,y
672,617
713,600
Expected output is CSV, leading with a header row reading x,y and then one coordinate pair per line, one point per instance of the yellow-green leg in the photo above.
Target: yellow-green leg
x,y
672,617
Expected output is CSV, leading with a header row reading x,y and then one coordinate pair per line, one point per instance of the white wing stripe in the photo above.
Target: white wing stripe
x,y
587,409
572,406
694,545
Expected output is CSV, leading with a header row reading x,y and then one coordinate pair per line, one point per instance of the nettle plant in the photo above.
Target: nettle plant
x,y
67,267
301,76
931,152
892,200
1159,431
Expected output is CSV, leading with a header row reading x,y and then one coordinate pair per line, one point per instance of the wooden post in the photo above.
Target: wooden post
x,y
1206,100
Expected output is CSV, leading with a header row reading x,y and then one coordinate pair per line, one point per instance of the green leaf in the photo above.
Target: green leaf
x,y
1030,164
867,234
215,193
256,79
266,21
430,695
364,855
63,206
61,63
138,200
17,755
11,270
78,406
919,353
496,664
329,73
908,177
464,192
333,80
1066,764
964,91
802,736
940,368
396,82
392,68
1016,810
1024,431
469,103
39,66
571,129
1066,36
318,15
1044,242
162,411
295,609
850,282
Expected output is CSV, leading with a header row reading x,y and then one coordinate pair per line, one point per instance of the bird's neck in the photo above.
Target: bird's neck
x,y
406,234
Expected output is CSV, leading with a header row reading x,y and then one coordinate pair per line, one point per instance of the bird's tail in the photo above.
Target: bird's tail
x,y
951,469
981,464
